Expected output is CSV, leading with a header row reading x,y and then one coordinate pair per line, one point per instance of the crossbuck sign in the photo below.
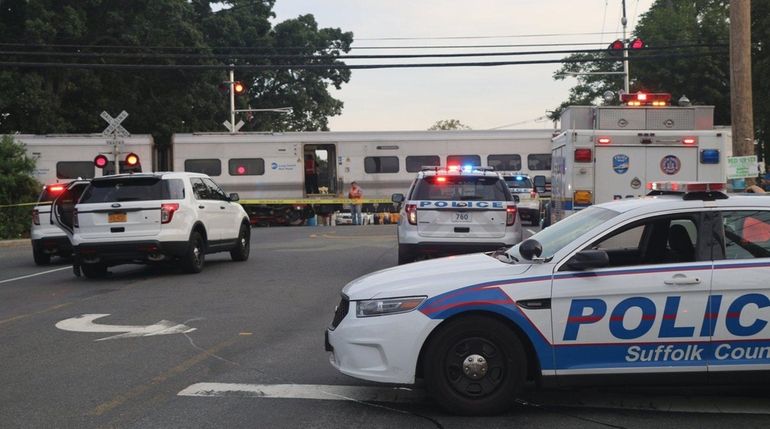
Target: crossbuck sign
x,y
114,129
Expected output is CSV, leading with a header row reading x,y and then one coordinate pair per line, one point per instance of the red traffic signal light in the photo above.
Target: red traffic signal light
x,y
637,44
132,159
239,88
616,47
100,161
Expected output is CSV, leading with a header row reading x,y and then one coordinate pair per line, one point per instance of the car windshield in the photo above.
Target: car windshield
x,y
560,234
461,188
518,182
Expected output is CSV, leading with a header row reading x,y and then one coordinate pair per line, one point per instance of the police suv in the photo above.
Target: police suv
x,y
456,210
152,217
670,288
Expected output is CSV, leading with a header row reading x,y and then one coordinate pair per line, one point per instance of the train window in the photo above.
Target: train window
x,y
211,167
510,162
463,160
381,164
246,166
75,169
416,163
539,161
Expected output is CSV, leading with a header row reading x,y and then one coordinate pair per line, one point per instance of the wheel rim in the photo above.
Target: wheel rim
x,y
475,367
197,253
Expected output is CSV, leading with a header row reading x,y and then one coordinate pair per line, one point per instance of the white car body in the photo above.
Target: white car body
x,y
642,317
521,185
46,237
445,222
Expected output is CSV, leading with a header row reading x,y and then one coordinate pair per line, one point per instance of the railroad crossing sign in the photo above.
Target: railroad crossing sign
x,y
114,129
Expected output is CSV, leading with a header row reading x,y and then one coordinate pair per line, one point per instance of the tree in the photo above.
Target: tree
x,y
702,76
170,32
16,187
448,124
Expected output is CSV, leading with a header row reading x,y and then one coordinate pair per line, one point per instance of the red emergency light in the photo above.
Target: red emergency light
x,y
55,189
441,179
656,99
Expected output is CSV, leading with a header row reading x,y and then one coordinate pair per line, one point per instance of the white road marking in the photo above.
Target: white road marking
x,y
306,391
585,399
85,323
530,231
36,274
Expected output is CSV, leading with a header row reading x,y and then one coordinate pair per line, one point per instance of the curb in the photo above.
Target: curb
x,y
14,243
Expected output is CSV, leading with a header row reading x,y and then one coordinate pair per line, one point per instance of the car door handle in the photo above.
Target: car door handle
x,y
201,207
222,207
682,280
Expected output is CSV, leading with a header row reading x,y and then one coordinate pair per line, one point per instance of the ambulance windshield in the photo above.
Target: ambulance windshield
x,y
565,231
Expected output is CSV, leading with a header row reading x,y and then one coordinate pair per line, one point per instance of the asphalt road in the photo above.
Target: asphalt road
x,y
258,322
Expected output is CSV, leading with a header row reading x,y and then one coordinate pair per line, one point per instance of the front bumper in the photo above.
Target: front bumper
x,y
384,349
129,251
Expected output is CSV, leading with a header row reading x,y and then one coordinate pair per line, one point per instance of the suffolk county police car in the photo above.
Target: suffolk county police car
x,y
670,288
456,210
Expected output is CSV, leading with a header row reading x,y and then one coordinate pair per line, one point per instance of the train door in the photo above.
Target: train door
x,y
320,169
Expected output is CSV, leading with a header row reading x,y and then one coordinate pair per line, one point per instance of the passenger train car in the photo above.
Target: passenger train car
x,y
274,165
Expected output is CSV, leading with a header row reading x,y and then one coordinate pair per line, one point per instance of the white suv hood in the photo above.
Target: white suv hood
x,y
432,277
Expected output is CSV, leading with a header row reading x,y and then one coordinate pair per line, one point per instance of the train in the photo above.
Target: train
x,y
286,177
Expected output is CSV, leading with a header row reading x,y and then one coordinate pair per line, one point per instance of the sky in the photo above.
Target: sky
x,y
512,96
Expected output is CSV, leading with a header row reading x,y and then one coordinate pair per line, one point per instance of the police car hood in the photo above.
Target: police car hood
x,y
432,277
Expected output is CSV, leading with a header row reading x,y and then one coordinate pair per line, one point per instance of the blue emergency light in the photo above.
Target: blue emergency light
x,y
709,156
467,168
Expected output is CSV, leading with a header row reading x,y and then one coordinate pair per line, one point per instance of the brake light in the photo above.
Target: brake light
x,y
533,194
167,212
411,213
75,222
441,179
583,155
510,215
36,217
604,140
689,141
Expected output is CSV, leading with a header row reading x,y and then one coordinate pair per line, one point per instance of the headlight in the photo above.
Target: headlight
x,y
381,307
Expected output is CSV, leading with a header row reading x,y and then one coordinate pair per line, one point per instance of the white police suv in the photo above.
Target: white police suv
x,y
153,217
669,288
456,210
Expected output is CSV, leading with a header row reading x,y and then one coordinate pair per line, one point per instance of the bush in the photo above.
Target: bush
x,y
16,187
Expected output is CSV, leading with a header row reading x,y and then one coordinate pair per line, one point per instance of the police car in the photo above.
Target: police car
x,y
669,288
456,210
528,206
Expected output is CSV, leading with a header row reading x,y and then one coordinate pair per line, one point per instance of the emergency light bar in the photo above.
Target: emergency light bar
x,y
691,190
656,99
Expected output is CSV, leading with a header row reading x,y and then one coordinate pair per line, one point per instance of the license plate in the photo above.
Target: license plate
x,y
462,218
116,217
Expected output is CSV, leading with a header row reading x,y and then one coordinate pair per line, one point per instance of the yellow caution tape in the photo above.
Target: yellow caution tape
x,y
320,201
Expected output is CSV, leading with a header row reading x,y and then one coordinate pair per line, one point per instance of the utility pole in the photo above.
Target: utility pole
x,y
740,79
624,21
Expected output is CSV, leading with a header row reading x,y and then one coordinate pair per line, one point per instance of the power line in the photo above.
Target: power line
x,y
338,65
510,36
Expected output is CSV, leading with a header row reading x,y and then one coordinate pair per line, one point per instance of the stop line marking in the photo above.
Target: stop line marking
x,y
584,399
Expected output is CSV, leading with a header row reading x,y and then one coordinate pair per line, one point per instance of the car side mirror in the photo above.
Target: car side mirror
x,y
234,197
529,249
588,259
397,198
516,199
539,183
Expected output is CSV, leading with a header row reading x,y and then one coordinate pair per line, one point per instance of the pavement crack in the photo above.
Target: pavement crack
x,y
396,410
201,349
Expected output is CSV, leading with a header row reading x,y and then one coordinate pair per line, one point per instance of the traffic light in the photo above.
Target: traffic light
x,y
616,48
238,87
132,159
637,44
101,161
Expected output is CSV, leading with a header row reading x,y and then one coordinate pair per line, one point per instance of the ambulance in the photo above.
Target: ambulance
x,y
611,152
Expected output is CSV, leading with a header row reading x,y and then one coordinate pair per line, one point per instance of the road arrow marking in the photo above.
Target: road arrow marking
x,y
85,323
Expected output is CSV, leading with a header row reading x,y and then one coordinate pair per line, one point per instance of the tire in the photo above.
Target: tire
x,y
94,271
40,257
405,256
498,360
195,257
243,248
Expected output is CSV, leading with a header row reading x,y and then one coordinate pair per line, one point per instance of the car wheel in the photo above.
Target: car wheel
x,y
40,257
242,249
405,255
475,366
196,254
93,271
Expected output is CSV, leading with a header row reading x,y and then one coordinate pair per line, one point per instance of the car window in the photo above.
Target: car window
x,y
461,188
658,240
216,192
126,189
746,234
200,190
560,234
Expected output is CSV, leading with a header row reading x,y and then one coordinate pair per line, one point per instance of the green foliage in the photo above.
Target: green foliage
x,y
16,186
704,79
448,124
162,102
